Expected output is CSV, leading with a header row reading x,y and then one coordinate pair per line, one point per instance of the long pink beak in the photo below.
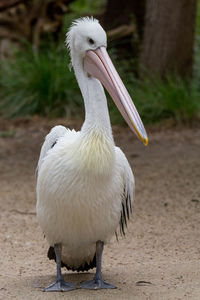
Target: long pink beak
x,y
98,64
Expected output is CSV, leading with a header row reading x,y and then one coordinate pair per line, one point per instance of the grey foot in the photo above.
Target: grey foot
x,y
97,284
60,286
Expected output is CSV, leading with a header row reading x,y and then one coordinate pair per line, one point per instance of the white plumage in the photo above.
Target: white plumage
x,y
85,185
80,190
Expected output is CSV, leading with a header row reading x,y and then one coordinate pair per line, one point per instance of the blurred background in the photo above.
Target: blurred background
x,y
154,44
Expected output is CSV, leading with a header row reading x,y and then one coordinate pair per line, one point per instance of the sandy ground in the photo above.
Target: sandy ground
x,y
162,245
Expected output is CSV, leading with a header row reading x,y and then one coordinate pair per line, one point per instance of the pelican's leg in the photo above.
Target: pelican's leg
x,y
97,282
60,285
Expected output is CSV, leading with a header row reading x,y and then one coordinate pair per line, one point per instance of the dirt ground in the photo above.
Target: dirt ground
x,y
162,245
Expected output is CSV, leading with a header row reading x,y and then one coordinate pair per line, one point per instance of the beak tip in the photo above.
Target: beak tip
x,y
146,141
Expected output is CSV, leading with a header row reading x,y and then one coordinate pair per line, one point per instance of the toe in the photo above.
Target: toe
x,y
96,285
60,286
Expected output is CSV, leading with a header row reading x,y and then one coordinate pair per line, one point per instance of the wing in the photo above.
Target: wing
x,y
50,140
129,188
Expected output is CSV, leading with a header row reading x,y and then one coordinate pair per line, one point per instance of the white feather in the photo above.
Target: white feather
x,y
77,205
82,179
50,140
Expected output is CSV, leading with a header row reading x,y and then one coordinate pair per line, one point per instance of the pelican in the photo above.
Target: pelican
x,y
85,185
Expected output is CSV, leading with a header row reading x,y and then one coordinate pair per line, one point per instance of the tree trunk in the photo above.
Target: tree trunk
x,y
124,21
169,37
121,12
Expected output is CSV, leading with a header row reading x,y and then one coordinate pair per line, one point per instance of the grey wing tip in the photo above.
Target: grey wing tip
x,y
125,213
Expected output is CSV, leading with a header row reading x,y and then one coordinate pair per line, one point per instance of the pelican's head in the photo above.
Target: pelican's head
x,y
87,40
85,34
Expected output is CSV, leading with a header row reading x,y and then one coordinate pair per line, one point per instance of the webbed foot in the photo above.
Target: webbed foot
x,y
97,284
60,286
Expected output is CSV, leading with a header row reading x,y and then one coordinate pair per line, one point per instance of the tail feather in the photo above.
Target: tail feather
x,y
85,267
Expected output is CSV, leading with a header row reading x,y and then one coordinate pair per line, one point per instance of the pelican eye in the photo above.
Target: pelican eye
x,y
90,41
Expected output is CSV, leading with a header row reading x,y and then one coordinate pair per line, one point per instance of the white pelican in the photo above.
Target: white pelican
x,y
85,184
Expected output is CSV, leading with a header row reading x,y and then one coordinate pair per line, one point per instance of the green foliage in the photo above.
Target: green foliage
x,y
159,99
43,84
88,7
38,83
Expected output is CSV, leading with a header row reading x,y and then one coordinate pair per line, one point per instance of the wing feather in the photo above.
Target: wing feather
x,y
50,141
128,192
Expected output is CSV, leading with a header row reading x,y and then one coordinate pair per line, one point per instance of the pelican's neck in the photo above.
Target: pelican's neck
x,y
96,111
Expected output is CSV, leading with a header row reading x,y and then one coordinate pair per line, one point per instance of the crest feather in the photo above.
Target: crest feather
x,y
75,24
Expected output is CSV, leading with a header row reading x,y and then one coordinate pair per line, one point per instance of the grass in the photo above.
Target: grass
x,y
43,84
173,97
157,100
38,84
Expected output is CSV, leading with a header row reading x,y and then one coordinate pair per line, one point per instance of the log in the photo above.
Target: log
x,y
30,19
5,4
121,31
